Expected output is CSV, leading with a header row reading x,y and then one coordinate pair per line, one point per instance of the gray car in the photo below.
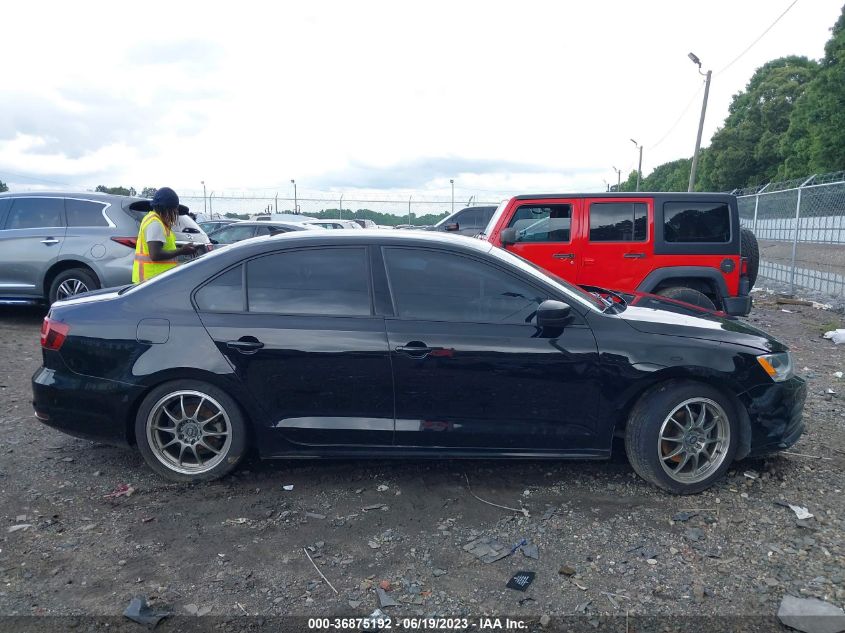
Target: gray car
x,y
55,245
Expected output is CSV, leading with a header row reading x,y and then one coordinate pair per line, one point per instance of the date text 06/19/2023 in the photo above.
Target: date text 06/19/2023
x,y
387,623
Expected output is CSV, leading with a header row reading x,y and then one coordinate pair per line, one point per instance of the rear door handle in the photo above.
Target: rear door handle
x,y
564,255
50,241
634,255
246,345
415,349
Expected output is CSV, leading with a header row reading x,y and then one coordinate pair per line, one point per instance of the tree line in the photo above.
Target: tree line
x,y
385,219
787,123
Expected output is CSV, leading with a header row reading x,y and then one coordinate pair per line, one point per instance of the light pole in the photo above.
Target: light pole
x,y
204,209
211,213
295,205
618,179
452,182
640,168
707,76
409,210
341,207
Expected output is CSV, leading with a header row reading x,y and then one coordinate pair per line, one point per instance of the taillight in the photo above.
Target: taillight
x,y
126,241
53,333
743,266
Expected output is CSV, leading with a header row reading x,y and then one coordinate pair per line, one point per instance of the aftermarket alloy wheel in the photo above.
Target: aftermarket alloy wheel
x,y
682,436
190,431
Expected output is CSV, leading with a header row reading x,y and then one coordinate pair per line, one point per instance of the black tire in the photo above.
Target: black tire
x,y
74,278
688,295
644,427
151,442
750,249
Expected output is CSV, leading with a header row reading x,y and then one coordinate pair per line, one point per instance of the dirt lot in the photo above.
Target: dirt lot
x,y
235,547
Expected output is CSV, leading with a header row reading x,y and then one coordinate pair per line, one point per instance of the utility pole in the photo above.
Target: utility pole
x,y
204,209
618,179
209,204
640,168
295,205
707,76
452,182
277,202
341,207
409,209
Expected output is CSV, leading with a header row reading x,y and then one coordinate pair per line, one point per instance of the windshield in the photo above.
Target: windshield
x,y
495,217
571,290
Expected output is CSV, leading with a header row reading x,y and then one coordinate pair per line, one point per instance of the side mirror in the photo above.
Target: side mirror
x,y
453,226
508,236
213,241
553,313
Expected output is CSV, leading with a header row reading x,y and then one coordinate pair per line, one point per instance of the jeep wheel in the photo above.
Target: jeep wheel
x,y
688,295
751,251
69,283
681,436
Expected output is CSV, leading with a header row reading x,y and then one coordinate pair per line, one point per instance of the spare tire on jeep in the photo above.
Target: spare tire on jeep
x,y
751,251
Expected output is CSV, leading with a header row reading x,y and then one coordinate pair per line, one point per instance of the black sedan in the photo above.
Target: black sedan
x,y
392,344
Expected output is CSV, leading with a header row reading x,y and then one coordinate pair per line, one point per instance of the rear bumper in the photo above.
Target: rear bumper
x,y
775,413
737,306
82,406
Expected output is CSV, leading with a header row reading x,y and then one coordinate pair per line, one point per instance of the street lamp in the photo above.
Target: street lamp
x,y
640,168
409,209
204,209
618,179
341,207
707,76
452,182
295,205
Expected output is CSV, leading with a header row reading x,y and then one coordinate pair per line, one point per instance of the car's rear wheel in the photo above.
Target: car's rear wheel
x,y
750,249
69,283
189,430
682,436
688,295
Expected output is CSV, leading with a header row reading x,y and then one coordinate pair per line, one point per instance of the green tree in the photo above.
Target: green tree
x,y
117,191
148,192
815,140
747,149
629,184
3,186
671,176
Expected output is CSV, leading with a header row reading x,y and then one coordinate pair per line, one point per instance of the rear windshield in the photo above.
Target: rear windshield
x,y
697,222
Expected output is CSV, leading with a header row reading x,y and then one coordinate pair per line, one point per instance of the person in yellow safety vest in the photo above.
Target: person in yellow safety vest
x,y
156,250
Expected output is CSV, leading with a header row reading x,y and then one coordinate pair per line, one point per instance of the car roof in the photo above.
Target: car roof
x,y
82,195
380,236
629,194
266,223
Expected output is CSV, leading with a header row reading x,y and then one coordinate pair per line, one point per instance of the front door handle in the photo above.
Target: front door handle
x,y
564,255
246,345
634,255
50,241
415,349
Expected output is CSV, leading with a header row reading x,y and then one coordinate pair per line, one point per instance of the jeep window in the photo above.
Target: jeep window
x,y
542,223
85,213
618,222
697,222
36,213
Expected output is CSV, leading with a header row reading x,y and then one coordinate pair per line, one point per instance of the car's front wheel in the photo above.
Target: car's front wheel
x,y
189,430
682,436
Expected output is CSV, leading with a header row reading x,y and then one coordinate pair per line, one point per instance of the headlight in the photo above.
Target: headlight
x,y
778,366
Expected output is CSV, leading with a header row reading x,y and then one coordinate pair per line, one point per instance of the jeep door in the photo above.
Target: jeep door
x,y
617,244
545,234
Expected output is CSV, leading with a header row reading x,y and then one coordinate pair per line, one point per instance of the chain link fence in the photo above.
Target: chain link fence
x,y
406,208
800,225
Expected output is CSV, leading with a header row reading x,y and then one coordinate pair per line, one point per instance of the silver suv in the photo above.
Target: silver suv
x,y
55,245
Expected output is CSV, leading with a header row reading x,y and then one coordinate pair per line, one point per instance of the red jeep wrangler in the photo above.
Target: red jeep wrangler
x,y
685,246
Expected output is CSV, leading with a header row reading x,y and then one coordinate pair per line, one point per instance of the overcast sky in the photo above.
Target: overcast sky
x,y
504,97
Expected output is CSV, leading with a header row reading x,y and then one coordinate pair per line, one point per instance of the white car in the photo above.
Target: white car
x,y
335,224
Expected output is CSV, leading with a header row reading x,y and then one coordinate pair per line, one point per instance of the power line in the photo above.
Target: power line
x,y
750,46
675,124
51,182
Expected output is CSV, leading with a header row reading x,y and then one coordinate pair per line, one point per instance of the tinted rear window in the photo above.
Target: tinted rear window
x,y
223,294
36,213
696,222
85,213
618,221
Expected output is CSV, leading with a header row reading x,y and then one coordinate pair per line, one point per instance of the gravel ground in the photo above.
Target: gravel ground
x,y
606,541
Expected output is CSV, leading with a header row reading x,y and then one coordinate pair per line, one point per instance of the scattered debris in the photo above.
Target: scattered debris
x,y
377,619
318,570
683,517
821,306
582,608
287,487
801,512
382,488
838,374
811,615
353,604
792,302
545,620
837,336
521,580
385,584
193,609
238,521
531,551
374,544
437,572
138,611
375,506
805,455
19,527
694,534
487,549
526,600
314,515
750,474
122,490
518,545
567,570
785,310
523,511
384,600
